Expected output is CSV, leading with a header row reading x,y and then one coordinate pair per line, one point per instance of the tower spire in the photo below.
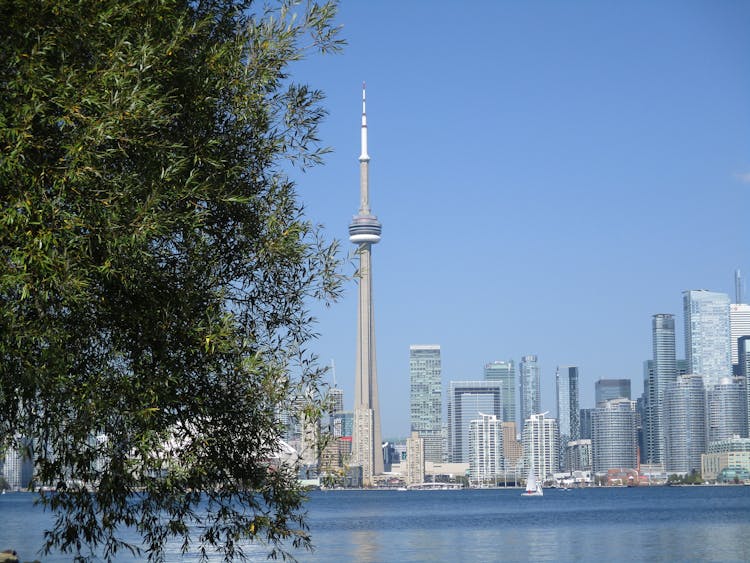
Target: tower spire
x,y
364,156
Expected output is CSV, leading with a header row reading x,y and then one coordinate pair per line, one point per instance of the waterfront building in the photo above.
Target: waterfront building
x,y
505,374
391,456
485,450
613,436
541,445
640,421
664,372
608,389
426,398
12,469
726,409
707,335
743,355
512,448
415,459
364,231
723,454
684,424
335,454
649,405
466,400
445,472
579,455
15,467
739,326
530,390
568,411
585,424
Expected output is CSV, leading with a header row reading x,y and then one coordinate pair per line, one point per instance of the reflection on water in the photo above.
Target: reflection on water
x,y
657,524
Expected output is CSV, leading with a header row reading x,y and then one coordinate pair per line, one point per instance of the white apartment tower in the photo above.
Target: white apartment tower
x,y
485,450
541,445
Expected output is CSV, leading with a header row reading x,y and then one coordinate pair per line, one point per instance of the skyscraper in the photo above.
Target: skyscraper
x,y
426,394
609,389
364,231
541,445
568,412
707,335
613,436
336,400
584,432
467,401
743,355
505,374
726,409
414,459
528,372
663,372
684,424
485,449
739,326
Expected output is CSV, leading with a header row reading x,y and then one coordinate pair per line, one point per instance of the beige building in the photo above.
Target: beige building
x,y
414,459
733,452
439,471
512,448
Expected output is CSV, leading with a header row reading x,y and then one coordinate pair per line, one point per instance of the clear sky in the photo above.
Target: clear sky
x,y
548,175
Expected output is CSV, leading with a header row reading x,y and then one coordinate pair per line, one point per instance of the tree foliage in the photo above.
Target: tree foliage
x,y
156,264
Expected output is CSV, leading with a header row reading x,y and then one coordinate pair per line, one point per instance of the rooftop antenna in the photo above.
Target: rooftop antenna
x,y
333,371
737,286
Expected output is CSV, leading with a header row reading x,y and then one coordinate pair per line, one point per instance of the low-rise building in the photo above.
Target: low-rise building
x,y
732,453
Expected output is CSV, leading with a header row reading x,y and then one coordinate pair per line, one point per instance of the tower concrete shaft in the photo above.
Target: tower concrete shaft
x,y
364,231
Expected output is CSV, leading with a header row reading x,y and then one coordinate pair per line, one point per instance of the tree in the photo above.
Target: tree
x,y
156,266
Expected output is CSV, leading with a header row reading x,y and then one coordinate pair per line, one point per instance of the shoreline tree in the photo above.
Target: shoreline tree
x,y
156,266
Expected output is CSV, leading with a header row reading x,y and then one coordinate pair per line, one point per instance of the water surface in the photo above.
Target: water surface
x,y
619,524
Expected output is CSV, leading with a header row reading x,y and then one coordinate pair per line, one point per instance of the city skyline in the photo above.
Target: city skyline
x,y
549,179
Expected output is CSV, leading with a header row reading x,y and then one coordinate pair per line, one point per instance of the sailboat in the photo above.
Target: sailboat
x,y
533,488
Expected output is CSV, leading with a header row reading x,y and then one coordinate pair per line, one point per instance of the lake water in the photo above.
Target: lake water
x,y
615,524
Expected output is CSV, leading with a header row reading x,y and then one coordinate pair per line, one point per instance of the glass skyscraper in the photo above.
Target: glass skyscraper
x,y
467,401
739,326
609,389
613,436
726,409
505,374
685,424
708,335
743,356
528,371
567,405
663,373
426,394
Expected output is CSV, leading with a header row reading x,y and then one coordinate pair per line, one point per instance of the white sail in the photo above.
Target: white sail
x,y
531,482
533,489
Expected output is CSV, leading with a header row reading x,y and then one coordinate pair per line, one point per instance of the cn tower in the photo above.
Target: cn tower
x,y
364,231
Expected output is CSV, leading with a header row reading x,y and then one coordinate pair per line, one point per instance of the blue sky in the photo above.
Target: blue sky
x,y
548,175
